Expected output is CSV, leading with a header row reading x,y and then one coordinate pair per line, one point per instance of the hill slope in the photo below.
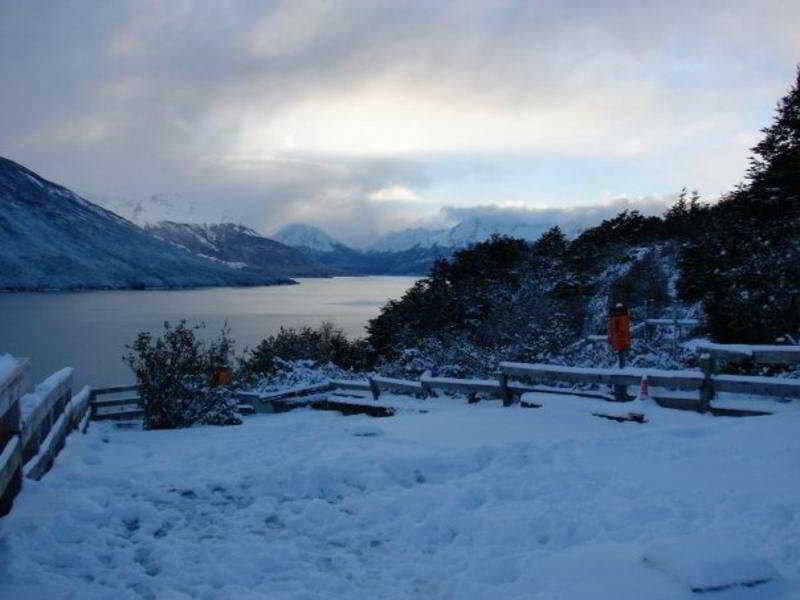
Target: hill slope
x,y
51,238
240,247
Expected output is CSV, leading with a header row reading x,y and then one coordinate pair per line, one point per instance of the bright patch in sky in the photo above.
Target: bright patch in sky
x,y
353,115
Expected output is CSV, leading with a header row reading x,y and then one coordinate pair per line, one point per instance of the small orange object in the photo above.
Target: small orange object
x,y
619,328
220,377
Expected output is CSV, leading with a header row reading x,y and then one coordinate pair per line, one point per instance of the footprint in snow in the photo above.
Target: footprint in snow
x,y
366,431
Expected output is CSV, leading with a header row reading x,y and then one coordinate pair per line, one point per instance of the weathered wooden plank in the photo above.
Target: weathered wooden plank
x,y
14,385
519,389
118,389
54,442
761,386
81,411
682,380
629,376
405,385
119,415
787,355
98,404
462,385
571,374
10,460
760,354
362,386
37,425
43,461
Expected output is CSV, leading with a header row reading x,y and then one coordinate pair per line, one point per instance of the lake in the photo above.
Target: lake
x,y
89,330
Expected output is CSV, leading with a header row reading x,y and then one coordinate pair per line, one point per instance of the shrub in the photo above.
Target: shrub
x,y
174,371
324,344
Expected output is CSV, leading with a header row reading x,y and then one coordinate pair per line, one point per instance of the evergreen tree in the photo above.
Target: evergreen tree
x,y
745,263
775,163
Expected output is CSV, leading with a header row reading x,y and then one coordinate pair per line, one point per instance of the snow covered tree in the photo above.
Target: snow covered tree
x,y
174,372
775,163
745,264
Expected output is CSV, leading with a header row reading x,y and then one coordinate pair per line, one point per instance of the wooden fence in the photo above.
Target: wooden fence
x,y
702,386
764,354
12,387
115,408
31,441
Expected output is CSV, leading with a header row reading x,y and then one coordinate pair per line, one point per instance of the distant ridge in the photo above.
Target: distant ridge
x,y
323,248
52,239
307,237
240,247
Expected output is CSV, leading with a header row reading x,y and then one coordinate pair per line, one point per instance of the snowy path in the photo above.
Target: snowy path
x,y
463,502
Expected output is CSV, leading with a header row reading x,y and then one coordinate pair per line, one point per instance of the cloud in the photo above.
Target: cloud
x,y
572,220
352,114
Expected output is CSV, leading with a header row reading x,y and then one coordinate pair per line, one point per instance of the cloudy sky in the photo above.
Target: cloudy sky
x,y
367,116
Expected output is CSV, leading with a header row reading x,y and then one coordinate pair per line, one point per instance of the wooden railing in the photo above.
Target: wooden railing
x,y
124,408
31,439
704,384
764,354
29,442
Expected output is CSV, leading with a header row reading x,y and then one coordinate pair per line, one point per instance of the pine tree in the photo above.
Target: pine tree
x,y
745,264
775,163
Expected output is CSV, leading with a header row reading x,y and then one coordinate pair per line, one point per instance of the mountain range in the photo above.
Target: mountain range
x,y
52,238
240,247
324,249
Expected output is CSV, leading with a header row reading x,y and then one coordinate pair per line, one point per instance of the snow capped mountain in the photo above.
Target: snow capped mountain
x,y
51,238
469,231
397,241
239,247
308,237
322,248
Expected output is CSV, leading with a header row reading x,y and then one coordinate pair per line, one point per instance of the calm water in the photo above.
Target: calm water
x,y
89,330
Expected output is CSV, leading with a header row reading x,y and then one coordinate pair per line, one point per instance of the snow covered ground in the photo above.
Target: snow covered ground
x,y
464,501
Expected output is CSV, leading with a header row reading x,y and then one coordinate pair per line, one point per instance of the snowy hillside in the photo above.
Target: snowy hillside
x,y
51,238
308,237
239,247
461,501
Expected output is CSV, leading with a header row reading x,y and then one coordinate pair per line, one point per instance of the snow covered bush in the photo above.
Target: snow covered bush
x,y
325,344
174,373
298,373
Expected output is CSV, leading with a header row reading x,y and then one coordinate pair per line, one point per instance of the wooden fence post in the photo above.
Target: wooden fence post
x,y
505,393
9,433
11,389
376,392
427,391
707,389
